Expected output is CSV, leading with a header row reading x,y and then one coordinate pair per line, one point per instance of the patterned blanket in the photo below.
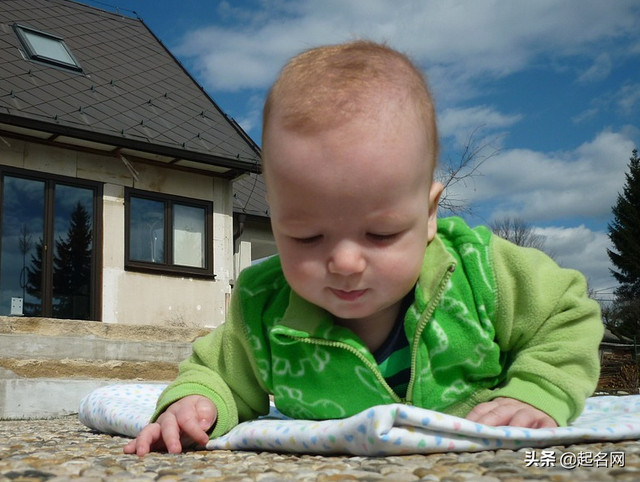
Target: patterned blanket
x,y
125,409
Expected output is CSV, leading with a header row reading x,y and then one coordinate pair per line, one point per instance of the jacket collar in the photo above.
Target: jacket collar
x,y
304,319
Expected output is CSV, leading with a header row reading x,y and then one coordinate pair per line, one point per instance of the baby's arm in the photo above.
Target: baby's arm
x,y
183,423
510,412
548,329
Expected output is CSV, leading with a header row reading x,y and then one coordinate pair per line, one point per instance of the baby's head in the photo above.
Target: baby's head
x,y
349,149
325,87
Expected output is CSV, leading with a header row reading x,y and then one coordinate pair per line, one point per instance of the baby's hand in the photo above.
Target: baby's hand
x,y
185,422
511,412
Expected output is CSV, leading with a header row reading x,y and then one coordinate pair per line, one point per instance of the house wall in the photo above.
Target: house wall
x,y
131,297
256,242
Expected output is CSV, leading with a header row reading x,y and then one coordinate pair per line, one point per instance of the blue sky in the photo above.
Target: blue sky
x,y
551,86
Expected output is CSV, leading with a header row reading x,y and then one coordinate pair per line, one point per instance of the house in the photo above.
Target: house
x,y
252,229
618,364
117,175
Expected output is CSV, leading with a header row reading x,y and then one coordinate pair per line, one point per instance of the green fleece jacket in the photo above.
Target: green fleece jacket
x,y
489,319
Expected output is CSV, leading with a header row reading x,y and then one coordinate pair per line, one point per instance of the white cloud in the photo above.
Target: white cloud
x,y
628,97
252,118
624,101
542,187
586,115
600,69
634,48
458,42
463,45
582,249
462,123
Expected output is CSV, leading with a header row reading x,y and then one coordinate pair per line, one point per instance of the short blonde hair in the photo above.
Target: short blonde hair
x,y
325,86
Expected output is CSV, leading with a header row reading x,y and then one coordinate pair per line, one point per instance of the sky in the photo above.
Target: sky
x,y
547,92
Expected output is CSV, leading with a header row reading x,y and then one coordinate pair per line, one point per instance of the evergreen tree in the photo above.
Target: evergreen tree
x,y
624,232
34,281
72,267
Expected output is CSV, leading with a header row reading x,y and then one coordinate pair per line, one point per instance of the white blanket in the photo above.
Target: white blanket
x,y
383,430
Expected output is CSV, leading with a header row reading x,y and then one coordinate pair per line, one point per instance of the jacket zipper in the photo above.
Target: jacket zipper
x,y
424,319
420,328
368,364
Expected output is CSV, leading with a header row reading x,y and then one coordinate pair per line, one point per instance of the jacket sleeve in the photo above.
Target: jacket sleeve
x,y
223,369
549,329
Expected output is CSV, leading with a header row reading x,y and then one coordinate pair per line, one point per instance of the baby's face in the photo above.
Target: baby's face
x,y
352,211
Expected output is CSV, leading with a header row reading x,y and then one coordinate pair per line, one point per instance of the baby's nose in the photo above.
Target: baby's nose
x,y
346,259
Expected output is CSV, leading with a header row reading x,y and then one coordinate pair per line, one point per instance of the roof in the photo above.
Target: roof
x,y
615,337
250,196
132,96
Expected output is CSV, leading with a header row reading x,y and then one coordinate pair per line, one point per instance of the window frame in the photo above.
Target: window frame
x,y
169,267
51,181
32,52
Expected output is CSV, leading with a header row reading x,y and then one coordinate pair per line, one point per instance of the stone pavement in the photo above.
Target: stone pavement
x,y
64,449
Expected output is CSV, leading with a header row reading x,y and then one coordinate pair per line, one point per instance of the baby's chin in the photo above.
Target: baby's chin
x,y
372,317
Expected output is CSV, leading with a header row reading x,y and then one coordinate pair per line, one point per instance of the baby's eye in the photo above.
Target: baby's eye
x,y
381,238
309,240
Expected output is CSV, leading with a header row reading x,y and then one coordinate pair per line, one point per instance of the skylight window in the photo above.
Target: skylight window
x,y
47,48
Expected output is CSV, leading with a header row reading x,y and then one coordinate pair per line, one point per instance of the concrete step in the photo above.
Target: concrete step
x,y
96,329
47,366
79,368
35,346
41,398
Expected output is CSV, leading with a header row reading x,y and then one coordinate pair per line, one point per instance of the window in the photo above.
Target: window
x,y
168,234
49,257
46,48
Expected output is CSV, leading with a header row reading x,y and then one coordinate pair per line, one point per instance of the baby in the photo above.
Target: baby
x,y
372,300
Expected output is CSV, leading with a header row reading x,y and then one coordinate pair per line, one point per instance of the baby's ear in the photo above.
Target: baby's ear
x,y
434,198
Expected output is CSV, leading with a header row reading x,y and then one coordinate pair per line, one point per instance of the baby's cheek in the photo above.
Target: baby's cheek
x,y
301,273
403,266
310,268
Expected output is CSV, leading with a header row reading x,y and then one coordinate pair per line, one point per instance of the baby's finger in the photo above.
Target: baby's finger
x,y
130,448
547,422
206,413
496,415
525,418
481,410
141,445
192,428
171,434
494,419
532,418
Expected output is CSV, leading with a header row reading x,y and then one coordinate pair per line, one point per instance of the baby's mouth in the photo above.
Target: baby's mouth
x,y
351,295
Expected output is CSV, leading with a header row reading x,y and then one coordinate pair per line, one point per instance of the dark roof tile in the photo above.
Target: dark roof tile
x,y
250,196
128,67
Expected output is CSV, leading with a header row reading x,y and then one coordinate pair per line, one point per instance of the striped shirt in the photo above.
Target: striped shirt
x,y
394,355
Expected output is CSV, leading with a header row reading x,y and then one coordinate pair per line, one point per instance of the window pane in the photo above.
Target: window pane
x,y
22,246
189,236
73,252
49,47
146,230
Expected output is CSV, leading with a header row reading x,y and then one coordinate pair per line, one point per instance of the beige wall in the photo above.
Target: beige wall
x,y
256,242
137,298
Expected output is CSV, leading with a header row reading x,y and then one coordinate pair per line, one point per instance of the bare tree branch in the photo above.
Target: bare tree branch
x,y
463,170
519,232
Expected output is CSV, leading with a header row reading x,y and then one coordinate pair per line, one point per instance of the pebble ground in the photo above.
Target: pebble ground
x,y
64,449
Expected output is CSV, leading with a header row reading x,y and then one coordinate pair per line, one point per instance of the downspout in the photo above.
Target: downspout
x,y
236,235
240,229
